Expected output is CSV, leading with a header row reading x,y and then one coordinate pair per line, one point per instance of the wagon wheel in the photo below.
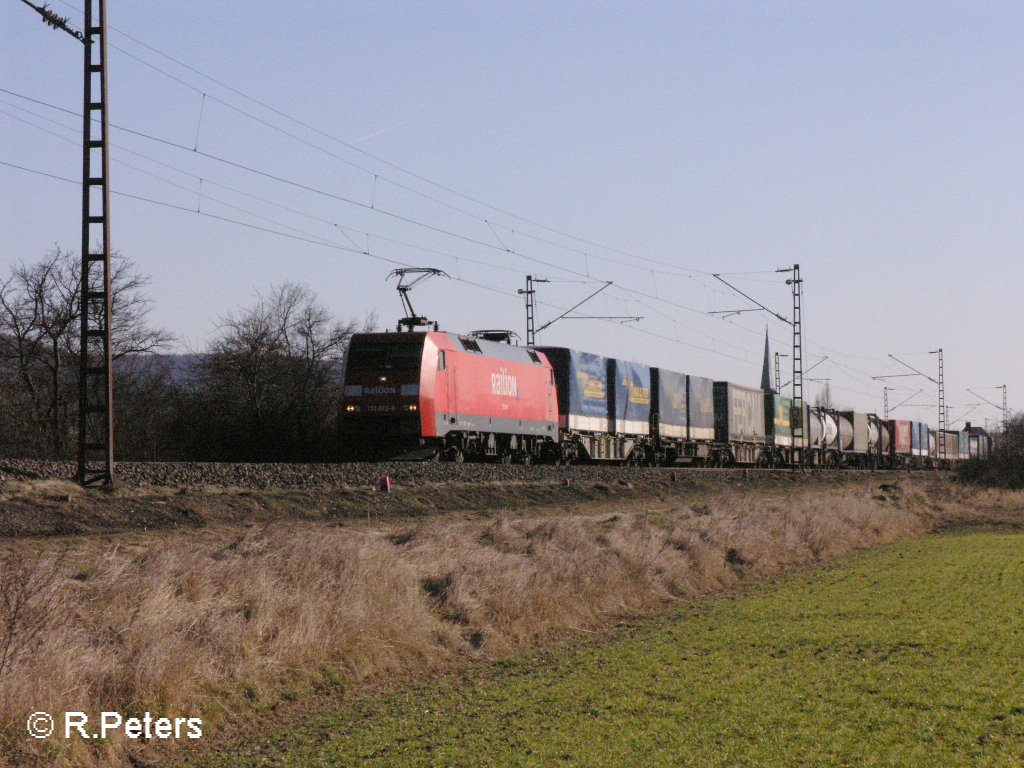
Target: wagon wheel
x,y
570,454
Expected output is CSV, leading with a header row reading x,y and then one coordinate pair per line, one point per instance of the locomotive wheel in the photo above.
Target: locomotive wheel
x,y
549,454
454,455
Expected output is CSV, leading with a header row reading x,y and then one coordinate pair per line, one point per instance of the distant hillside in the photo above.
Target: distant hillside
x,y
180,367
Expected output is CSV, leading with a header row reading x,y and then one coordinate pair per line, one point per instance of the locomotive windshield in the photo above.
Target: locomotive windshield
x,y
385,356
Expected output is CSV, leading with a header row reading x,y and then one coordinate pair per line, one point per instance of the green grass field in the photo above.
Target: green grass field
x,y
911,655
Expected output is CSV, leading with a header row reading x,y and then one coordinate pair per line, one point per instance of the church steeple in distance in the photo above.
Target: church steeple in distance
x,y
766,371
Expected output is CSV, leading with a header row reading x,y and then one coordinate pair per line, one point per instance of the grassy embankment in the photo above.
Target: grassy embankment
x,y
906,656
245,625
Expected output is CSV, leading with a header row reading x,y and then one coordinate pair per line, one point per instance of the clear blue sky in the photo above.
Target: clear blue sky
x,y
877,144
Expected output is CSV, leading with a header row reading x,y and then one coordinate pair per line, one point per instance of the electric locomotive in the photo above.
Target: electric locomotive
x,y
425,395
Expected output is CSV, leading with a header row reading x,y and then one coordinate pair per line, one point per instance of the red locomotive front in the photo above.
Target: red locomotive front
x,y
429,394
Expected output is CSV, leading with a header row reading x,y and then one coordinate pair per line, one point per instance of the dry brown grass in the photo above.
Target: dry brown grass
x,y
225,623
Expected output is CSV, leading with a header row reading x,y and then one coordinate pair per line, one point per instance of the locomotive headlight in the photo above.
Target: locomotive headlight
x,y
351,408
412,407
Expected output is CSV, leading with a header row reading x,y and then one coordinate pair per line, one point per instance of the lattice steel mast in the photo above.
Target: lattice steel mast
x,y
798,366
96,373
942,409
531,308
1006,412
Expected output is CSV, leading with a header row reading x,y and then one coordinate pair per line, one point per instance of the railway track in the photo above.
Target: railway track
x,y
297,476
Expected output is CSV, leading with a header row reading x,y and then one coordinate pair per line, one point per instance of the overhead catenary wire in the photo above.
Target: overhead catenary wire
x,y
350,201
376,176
511,250
403,170
488,265
336,246
343,229
347,200
366,252
354,148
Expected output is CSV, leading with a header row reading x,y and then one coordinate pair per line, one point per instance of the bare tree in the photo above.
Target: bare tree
x,y
38,327
270,383
39,340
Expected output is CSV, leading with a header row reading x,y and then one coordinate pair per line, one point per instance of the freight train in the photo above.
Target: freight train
x,y
435,395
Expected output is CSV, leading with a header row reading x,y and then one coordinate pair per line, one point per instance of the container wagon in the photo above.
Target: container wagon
x,y
964,441
584,404
920,450
861,439
884,439
631,407
947,450
824,437
682,417
604,407
901,449
739,424
778,412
